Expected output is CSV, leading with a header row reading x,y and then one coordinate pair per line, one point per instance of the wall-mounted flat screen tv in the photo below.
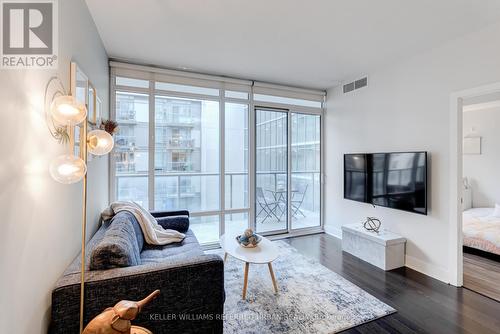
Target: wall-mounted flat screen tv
x,y
393,180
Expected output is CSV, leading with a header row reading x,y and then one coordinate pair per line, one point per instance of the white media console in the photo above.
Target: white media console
x,y
384,249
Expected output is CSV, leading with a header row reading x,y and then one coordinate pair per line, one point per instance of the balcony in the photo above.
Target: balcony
x,y
182,184
125,116
176,121
272,199
180,166
181,143
123,140
125,167
187,144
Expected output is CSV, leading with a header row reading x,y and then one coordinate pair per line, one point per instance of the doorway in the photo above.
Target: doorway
x,y
481,193
287,170
271,170
475,225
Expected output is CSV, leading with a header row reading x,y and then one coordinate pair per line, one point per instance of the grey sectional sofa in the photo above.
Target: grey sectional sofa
x,y
191,284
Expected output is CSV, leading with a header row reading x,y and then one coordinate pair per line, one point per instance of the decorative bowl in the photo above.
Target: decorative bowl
x,y
248,239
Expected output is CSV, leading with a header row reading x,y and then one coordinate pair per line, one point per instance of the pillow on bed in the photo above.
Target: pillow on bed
x,y
496,212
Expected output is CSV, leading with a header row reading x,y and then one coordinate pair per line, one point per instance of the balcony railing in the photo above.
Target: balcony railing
x,y
181,166
125,167
277,182
125,116
175,143
124,140
173,120
130,168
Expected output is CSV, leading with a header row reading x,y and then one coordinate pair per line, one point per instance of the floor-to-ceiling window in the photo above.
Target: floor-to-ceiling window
x,y
186,164
236,199
131,152
204,145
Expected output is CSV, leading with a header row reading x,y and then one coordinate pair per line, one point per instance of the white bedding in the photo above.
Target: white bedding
x,y
479,212
481,230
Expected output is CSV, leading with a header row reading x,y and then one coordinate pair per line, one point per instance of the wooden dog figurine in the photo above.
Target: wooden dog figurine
x,y
117,319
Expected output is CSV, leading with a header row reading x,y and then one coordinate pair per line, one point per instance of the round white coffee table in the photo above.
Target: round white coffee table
x,y
265,252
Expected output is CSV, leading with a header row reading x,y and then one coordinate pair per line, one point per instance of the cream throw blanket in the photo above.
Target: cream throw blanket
x,y
154,233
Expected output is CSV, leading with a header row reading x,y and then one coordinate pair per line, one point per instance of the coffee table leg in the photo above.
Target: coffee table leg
x,y
245,281
225,257
272,277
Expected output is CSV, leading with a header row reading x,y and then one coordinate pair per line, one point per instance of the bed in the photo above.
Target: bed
x,y
481,230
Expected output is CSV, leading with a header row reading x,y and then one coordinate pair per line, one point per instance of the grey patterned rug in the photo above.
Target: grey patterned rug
x,y
312,299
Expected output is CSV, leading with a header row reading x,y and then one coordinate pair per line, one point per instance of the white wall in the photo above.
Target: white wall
x,y
40,219
406,107
483,170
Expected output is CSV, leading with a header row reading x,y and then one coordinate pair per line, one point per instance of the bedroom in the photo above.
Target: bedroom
x,y
481,200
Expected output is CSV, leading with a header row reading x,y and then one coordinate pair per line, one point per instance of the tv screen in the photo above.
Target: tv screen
x,y
393,180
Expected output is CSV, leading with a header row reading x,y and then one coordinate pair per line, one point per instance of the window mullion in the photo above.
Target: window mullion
x,y
112,158
222,164
151,150
251,161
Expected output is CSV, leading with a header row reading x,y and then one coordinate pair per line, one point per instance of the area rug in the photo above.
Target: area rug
x,y
311,298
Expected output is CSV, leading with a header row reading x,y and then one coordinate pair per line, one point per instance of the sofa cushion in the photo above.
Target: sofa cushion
x,y
185,249
178,223
120,245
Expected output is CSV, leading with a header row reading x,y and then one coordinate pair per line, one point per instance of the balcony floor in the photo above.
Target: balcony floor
x,y
207,232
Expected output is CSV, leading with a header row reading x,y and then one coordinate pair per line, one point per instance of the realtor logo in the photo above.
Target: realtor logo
x,y
29,34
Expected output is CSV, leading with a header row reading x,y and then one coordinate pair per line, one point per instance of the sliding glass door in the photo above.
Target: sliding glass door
x,y
305,202
271,165
287,199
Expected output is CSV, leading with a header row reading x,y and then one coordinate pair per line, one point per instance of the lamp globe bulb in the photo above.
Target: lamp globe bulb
x,y
100,142
66,110
67,169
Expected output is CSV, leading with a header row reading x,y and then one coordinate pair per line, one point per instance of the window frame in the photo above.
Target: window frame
x,y
154,75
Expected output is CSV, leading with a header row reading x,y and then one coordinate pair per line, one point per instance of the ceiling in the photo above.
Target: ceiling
x,y
305,43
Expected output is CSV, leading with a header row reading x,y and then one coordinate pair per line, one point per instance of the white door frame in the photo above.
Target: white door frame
x,y
456,175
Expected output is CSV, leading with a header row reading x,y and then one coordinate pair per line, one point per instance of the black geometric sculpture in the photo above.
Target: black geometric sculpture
x,y
372,224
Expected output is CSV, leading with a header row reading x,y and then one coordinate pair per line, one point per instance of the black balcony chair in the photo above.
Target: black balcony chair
x,y
297,200
267,206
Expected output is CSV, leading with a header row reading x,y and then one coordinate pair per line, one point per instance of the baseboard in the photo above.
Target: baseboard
x,y
333,231
427,269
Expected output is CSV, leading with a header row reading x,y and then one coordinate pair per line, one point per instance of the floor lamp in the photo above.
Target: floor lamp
x,y
63,115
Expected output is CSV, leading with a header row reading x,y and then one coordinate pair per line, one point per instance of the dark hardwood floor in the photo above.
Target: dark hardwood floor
x,y
423,304
482,275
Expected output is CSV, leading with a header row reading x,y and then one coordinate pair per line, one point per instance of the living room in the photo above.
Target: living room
x,y
278,167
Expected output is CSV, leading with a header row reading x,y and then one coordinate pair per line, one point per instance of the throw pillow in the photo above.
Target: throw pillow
x,y
178,223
